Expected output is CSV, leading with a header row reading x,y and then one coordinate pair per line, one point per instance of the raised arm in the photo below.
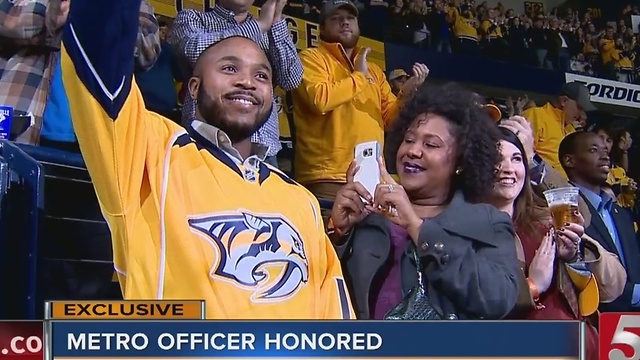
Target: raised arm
x,y
115,132
32,23
284,57
120,141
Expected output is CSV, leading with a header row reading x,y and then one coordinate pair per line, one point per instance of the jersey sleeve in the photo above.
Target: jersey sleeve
x,y
115,132
121,142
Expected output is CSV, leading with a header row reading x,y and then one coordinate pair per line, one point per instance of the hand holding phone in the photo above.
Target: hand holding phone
x,y
368,173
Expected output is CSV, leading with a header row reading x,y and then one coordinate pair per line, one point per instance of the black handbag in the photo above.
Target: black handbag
x,y
415,305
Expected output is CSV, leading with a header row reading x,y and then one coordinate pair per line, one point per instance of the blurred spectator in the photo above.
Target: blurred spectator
x,y
57,128
416,18
194,31
465,29
552,122
559,42
158,84
517,39
623,56
335,109
30,33
539,43
608,51
438,24
397,78
618,143
494,43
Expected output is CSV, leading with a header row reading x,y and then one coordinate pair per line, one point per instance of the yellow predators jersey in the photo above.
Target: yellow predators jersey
x,y
188,222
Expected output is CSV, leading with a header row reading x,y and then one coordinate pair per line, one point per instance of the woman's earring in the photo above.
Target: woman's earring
x,y
458,171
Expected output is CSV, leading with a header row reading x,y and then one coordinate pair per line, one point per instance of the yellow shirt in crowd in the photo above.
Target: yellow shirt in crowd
x,y
191,220
607,50
548,127
335,109
493,34
617,176
462,26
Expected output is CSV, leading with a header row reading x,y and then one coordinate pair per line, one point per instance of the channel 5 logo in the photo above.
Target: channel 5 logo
x,y
620,336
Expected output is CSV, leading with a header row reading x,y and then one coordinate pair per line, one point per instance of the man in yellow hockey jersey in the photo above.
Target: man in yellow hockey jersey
x,y
196,214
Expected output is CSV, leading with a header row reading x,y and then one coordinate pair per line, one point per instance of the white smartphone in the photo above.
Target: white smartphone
x,y
366,157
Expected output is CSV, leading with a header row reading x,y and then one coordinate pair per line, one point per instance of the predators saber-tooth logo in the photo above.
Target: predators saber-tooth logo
x,y
260,253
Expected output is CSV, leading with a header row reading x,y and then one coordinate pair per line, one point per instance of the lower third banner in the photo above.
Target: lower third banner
x,y
361,339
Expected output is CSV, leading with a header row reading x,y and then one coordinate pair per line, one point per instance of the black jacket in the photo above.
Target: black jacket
x,y
468,254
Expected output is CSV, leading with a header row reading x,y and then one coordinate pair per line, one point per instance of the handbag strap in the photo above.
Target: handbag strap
x,y
418,262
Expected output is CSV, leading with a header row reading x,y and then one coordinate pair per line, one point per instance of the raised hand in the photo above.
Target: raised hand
x,y
280,4
542,265
360,62
267,14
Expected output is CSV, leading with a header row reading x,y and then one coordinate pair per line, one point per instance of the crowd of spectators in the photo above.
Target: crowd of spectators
x,y
564,40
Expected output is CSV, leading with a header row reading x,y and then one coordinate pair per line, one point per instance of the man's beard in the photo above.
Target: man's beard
x,y
351,43
213,113
347,44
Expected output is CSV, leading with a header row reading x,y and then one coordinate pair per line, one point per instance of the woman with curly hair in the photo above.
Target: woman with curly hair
x,y
446,153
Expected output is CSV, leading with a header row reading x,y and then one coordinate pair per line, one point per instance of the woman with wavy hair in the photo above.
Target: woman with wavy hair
x,y
564,274
444,146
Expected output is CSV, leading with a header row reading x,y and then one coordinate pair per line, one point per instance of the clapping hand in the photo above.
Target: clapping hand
x,y
268,12
625,143
420,73
541,268
280,4
360,62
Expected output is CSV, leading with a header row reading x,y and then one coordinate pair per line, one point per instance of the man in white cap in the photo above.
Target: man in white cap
x,y
343,100
397,78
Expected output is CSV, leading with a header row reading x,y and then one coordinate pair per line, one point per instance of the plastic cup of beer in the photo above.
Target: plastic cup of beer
x,y
563,205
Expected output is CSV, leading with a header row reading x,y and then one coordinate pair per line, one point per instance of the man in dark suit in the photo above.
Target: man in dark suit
x,y
584,157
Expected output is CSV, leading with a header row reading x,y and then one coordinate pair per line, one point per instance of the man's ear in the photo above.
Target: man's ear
x,y
562,101
194,86
568,161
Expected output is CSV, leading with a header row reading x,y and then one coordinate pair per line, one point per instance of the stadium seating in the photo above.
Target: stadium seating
x,y
55,243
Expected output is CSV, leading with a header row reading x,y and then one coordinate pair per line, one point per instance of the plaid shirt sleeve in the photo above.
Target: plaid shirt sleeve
x,y
191,36
30,23
148,42
284,57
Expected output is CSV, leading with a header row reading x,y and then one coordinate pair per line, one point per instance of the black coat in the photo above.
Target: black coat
x,y
469,258
627,235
